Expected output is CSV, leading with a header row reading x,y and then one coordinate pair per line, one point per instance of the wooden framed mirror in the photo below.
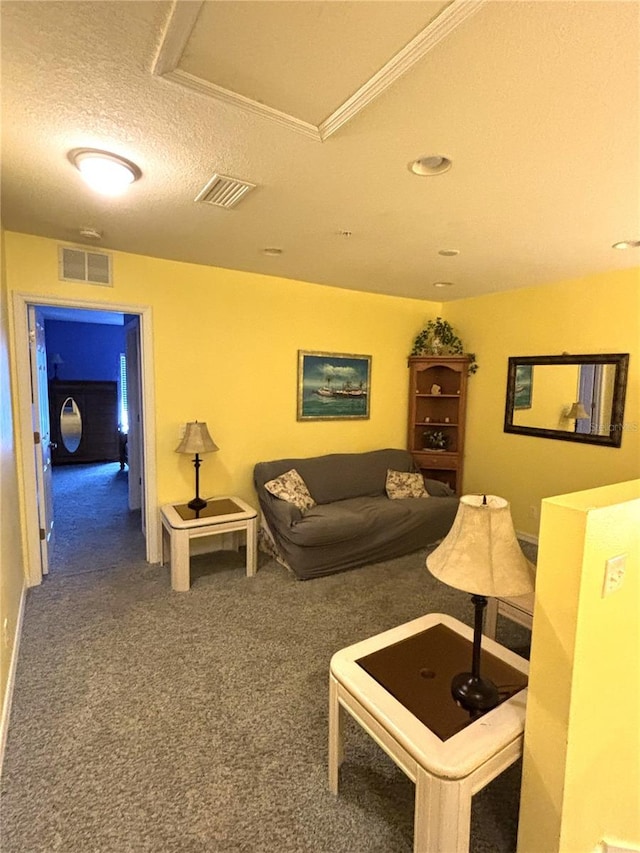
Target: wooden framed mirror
x,y
568,397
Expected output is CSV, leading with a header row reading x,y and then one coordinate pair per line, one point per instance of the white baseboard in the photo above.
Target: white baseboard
x,y
8,693
527,537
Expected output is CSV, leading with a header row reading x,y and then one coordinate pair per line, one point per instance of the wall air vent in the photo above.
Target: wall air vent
x,y
81,265
223,191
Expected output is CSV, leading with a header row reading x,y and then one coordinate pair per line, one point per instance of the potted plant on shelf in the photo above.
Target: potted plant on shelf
x,y
438,338
435,440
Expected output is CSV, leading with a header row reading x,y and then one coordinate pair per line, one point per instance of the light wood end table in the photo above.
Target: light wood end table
x,y
447,768
221,515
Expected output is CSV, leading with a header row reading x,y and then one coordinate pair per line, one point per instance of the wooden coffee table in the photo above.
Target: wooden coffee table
x,y
221,515
396,686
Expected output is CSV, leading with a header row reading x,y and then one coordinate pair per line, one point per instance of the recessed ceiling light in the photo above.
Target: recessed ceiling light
x,y
449,253
443,284
105,173
272,251
627,244
433,164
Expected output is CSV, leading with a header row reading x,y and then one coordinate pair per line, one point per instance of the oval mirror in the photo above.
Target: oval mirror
x,y
70,425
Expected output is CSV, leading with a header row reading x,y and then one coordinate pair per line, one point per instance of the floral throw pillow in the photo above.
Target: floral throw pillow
x,y
292,488
401,484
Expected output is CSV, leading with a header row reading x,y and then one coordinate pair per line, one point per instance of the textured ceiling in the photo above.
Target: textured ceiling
x,y
536,104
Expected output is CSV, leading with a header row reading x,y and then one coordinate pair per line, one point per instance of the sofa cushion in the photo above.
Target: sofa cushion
x,y
292,488
404,484
355,518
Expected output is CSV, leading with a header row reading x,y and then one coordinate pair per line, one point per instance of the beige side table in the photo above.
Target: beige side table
x,y
449,757
221,515
518,608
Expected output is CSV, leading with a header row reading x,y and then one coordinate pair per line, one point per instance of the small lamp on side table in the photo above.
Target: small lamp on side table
x,y
481,555
197,440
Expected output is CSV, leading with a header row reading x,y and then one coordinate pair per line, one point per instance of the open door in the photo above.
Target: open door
x,y
32,410
41,432
134,405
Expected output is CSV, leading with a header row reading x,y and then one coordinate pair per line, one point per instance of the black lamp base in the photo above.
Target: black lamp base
x,y
474,693
197,503
468,688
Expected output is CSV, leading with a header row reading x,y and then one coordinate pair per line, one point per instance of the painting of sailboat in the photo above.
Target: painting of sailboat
x,y
333,386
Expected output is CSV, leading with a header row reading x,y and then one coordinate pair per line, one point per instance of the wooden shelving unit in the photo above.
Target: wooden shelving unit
x,y
443,412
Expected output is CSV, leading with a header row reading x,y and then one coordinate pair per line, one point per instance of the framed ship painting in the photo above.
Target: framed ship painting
x,y
333,386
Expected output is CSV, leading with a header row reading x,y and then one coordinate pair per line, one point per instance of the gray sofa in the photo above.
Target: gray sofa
x,y
354,522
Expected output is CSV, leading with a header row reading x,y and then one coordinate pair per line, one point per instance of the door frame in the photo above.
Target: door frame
x,y
24,432
40,423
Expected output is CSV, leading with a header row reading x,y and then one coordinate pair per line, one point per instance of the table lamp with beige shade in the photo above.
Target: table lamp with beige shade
x,y
196,440
481,555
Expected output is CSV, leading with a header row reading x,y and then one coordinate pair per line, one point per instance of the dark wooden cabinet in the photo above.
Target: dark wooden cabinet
x,y
437,409
89,411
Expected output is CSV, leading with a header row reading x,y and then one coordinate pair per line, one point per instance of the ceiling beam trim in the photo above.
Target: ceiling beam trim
x,y
180,23
428,38
197,84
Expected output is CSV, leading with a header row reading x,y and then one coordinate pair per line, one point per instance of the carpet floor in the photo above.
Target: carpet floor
x,y
94,528
149,720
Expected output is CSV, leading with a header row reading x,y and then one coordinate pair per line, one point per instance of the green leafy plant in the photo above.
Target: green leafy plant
x,y
438,338
435,440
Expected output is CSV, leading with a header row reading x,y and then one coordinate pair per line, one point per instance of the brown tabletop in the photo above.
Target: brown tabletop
x,y
418,672
214,507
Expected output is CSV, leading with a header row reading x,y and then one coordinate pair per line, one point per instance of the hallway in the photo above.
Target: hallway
x,y
94,528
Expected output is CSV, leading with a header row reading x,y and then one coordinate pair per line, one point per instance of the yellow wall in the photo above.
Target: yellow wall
x,y
581,774
225,352
11,562
596,314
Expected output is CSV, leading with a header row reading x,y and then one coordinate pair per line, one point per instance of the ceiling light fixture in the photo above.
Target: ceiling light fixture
x,y
91,234
448,253
433,164
105,173
443,284
627,244
272,251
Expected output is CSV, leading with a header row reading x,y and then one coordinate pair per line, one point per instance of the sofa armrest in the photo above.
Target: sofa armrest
x,y
279,514
437,489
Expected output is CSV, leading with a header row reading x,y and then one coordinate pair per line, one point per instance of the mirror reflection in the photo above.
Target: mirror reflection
x,y
70,425
574,398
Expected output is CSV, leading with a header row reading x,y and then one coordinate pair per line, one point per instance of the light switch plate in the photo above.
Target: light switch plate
x,y
614,569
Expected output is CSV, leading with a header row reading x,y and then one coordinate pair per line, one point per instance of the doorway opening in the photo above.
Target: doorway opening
x,y
97,517
81,429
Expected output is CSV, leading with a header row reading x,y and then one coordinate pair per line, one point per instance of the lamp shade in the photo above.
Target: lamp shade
x,y
196,439
481,553
577,411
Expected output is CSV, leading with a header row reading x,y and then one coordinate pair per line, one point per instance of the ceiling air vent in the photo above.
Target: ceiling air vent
x,y
223,191
80,265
